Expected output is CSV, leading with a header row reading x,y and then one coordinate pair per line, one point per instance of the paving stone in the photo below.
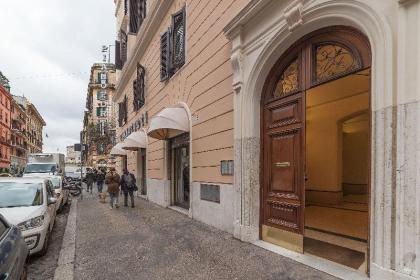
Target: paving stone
x,y
150,242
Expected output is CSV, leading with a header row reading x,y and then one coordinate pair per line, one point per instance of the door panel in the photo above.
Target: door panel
x,y
283,190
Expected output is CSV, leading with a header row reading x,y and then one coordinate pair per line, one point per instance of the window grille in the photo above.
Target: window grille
x,y
138,88
172,46
178,39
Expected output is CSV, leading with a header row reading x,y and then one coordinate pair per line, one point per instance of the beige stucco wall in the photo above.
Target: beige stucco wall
x,y
204,83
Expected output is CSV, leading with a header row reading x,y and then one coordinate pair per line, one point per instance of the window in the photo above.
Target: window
x,y
102,95
333,60
102,78
122,112
178,39
3,228
118,62
137,14
123,47
102,127
172,46
164,55
288,82
138,88
101,111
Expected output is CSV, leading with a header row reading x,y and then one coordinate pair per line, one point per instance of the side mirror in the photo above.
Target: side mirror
x,y
52,200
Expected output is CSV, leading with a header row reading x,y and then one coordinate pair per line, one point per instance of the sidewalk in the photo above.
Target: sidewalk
x,y
150,242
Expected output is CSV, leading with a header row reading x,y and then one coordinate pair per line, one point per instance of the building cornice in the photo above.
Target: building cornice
x,y
147,31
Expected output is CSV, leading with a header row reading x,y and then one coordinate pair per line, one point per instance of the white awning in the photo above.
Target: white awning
x,y
135,141
118,151
169,123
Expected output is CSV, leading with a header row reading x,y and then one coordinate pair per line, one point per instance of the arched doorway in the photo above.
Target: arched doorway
x,y
323,79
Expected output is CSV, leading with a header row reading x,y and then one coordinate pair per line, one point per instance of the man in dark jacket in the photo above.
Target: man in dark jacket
x,y
89,180
100,178
128,186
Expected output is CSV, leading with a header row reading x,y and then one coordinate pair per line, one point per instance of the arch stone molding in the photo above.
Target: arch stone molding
x,y
260,34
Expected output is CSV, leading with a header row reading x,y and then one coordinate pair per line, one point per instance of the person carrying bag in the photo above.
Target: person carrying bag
x,y
128,187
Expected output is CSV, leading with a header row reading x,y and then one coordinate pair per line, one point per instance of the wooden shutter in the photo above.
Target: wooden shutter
x,y
134,15
137,14
98,111
165,55
118,62
123,47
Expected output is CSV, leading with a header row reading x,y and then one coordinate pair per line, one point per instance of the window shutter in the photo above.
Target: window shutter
x,y
123,47
134,20
165,55
98,111
118,63
98,81
125,7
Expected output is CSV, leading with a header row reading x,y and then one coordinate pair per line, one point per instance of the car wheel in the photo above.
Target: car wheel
x,y
46,244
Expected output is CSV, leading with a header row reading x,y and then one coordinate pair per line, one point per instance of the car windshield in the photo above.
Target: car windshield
x,y
56,182
17,194
40,168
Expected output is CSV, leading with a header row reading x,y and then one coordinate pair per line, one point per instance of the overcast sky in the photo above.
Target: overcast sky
x,y
46,50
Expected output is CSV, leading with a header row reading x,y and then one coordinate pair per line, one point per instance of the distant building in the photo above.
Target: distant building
x,y
19,142
34,125
99,120
5,133
72,157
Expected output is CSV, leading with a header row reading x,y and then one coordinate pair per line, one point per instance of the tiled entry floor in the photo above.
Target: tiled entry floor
x,y
337,233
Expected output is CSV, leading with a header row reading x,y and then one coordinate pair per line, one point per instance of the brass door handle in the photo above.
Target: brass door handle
x,y
282,164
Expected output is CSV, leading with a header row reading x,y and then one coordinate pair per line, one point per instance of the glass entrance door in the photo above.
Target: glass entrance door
x,y
180,152
182,176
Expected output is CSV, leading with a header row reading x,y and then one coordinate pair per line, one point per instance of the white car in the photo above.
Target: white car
x,y
29,203
61,193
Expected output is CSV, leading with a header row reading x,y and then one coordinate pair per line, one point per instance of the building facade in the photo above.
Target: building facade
x,y
72,157
19,144
5,127
289,124
99,119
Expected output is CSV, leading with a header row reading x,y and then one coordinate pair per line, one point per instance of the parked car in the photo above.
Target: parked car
x,y
61,193
13,252
29,203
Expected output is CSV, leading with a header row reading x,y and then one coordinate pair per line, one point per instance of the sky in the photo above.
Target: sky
x,y
46,50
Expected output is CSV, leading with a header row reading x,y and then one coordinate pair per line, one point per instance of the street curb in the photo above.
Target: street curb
x,y
65,268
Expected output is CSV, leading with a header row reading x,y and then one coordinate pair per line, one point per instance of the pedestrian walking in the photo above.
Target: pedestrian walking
x,y
100,178
89,180
112,180
128,186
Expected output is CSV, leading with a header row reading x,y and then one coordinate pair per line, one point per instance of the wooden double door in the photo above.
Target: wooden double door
x,y
320,57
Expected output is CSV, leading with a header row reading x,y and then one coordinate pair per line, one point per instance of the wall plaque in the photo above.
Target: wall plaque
x,y
210,192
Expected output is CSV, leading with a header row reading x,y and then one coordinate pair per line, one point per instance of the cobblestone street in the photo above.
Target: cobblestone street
x,y
42,268
150,242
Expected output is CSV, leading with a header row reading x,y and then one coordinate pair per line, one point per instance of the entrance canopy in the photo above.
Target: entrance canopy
x,y
135,141
169,123
118,151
